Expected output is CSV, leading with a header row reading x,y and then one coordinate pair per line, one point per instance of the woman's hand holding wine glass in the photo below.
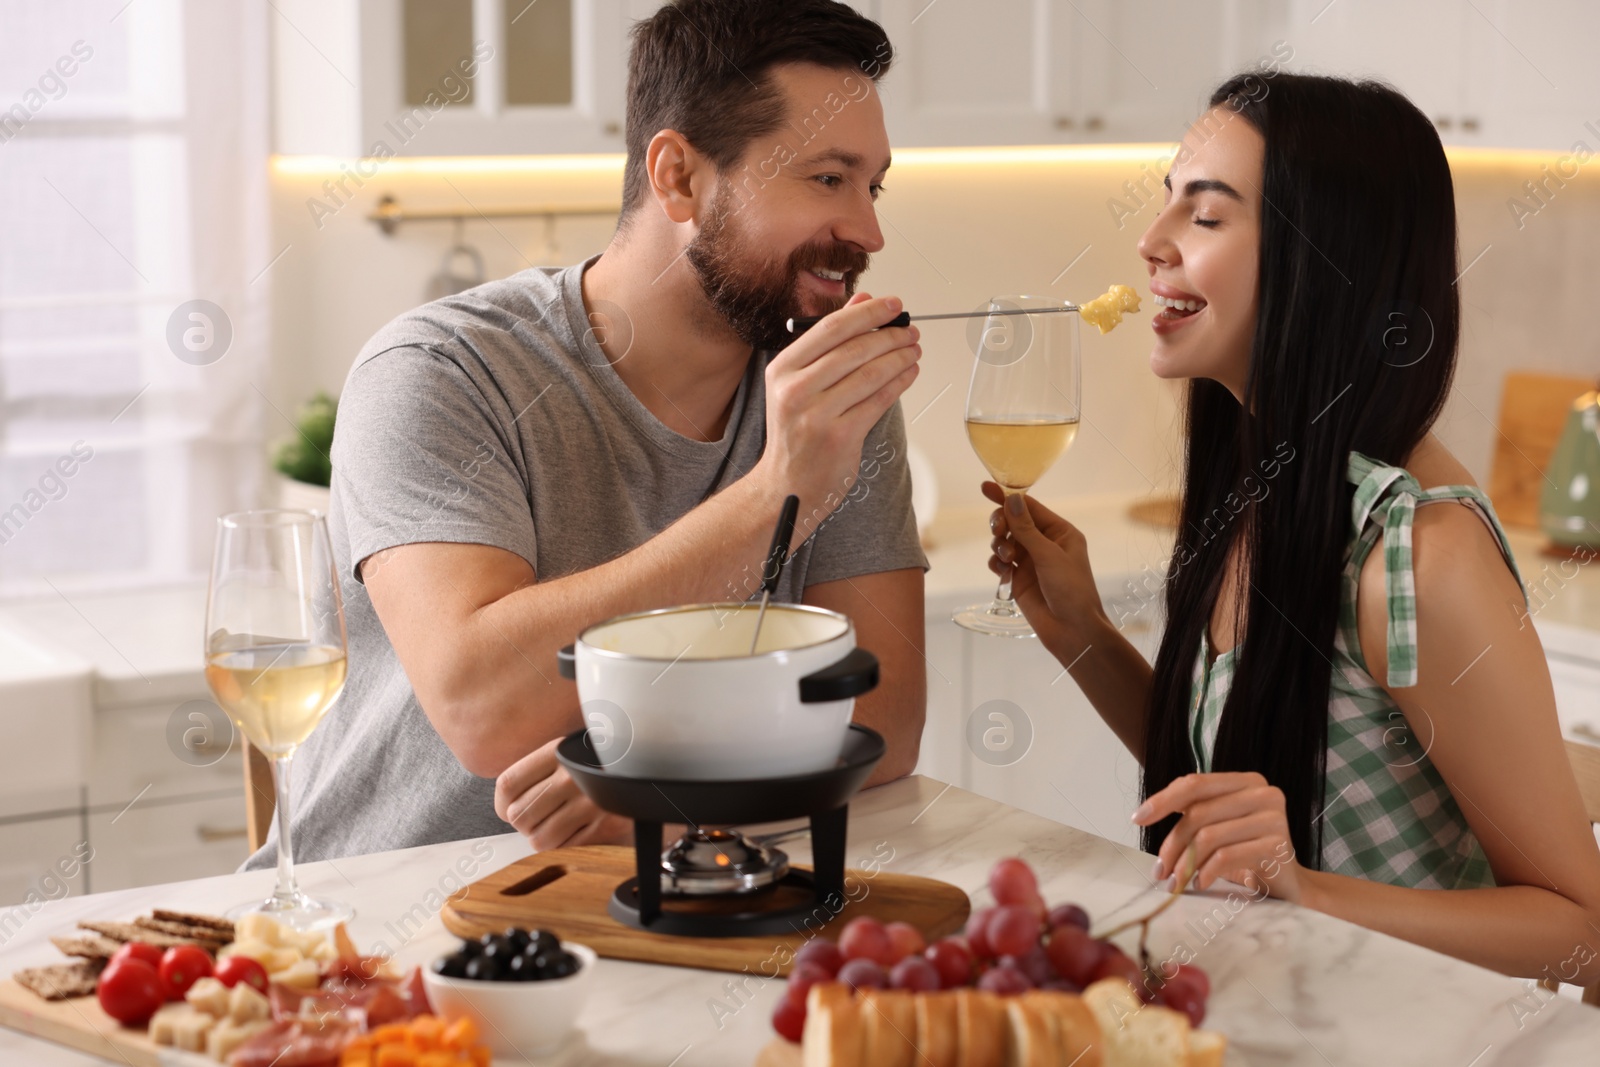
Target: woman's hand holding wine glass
x,y
1048,560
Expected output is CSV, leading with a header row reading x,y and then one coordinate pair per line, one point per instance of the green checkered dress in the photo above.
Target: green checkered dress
x,y
1389,816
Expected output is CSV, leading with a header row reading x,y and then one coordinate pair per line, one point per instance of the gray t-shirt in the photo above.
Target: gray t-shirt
x,y
493,417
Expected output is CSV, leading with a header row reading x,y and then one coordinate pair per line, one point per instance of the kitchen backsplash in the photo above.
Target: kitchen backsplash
x,y
959,226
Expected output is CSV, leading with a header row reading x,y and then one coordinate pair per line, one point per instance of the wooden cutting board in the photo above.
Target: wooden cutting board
x,y
1533,412
572,904
80,1023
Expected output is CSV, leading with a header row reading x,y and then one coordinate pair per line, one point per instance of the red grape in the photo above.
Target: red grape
x,y
906,940
862,974
1075,953
915,973
789,1019
1004,980
822,953
1035,963
1186,991
802,978
1012,882
1068,915
953,960
1114,963
1013,930
1062,985
864,938
978,934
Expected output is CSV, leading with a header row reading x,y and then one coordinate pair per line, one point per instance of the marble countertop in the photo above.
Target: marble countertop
x,y
1290,986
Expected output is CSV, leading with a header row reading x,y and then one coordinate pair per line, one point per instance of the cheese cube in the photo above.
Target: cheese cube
x,y
189,1030
257,927
210,996
163,1021
226,1036
279,959
302,975
247,1004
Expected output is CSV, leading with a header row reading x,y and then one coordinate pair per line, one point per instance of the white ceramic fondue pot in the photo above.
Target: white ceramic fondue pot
x,y
677,694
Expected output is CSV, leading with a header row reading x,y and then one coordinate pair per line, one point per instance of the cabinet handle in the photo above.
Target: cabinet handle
x,y
211,834
1586,731
611,129
1065,122
1094,122
1469,124
1443,122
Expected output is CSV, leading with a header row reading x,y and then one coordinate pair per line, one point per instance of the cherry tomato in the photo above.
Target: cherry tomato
x,y
235,969
181,967
130,991
138,950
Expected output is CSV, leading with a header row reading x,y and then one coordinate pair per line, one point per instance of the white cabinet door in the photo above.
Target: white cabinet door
x,y
977,72
163,750
1577,687
1006,721
1532,77
1145,68
167,842
40,859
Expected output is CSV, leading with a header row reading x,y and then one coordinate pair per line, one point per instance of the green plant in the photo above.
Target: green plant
x,y
304,457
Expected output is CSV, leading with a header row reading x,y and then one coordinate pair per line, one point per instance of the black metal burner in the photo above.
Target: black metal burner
x,y
777,908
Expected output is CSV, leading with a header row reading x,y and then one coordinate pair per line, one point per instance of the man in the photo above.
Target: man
x,y
544,452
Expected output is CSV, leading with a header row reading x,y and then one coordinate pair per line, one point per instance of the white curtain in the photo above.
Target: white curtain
x,y
134,142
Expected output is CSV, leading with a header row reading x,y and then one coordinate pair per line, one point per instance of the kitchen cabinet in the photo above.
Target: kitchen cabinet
x,y
40,859
1005,721
1577,687
385,78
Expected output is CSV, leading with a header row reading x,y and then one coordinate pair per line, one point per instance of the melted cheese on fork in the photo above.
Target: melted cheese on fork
x,y
1105,311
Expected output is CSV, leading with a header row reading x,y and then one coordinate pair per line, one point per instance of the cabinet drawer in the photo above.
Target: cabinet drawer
x,y
151,843
173,749
44,857
1577,688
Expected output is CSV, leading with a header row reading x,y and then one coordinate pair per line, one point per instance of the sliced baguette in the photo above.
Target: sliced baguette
x,y
1072,1025
1031,1035
1206,1048
833,1035
1137,1034
980,1029
889,1018
938,1042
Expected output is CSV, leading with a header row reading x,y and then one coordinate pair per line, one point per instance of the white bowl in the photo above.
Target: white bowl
x,y
523,1019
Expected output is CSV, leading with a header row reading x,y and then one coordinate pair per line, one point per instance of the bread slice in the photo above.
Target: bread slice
x,y
938,1043
889,1018
208,935
1137,1034
1031,1038
190,918
89,947
129,932
61,981
980,1029
1206,1048
833,1036
1072,1026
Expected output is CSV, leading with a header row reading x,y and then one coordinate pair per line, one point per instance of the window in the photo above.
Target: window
x,y
133,147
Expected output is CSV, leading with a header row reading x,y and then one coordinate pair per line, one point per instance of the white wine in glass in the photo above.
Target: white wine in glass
x,y
275,661
1022,415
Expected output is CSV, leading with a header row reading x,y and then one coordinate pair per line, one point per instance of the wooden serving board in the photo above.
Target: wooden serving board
x,y
566,891
81,1024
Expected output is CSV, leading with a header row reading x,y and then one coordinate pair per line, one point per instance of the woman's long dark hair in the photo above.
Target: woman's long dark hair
x,y
1354,349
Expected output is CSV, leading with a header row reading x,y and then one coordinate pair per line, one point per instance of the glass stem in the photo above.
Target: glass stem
x,y
287,891
1003,604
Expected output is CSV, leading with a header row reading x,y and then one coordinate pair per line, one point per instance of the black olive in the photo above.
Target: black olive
x,y
521,969
516,937
480,969
470,949
451,966
564,965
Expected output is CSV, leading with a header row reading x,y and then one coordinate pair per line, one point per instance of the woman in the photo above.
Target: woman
x,y
1350,703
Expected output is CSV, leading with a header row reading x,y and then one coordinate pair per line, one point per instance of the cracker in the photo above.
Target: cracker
x,y
61,981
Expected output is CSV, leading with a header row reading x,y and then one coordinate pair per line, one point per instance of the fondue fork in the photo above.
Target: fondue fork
x,y
777,555
803,323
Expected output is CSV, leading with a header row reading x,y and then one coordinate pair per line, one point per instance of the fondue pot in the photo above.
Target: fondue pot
x,y
677,693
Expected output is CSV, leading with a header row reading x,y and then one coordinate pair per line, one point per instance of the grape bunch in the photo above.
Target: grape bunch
x,y
1018,944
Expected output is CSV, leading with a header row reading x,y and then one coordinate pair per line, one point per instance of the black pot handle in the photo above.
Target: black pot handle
x,y
853,675
567,661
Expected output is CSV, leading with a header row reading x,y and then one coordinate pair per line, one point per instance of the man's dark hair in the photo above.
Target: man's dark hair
x,y
703,68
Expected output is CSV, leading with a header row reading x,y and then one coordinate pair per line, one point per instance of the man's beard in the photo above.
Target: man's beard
x,y
757,295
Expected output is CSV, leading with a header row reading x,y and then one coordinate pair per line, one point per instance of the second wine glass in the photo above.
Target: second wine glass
x,y
1022,414
275,661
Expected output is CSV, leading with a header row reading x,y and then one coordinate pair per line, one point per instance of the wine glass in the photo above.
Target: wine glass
x,y
275,661
1022,414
